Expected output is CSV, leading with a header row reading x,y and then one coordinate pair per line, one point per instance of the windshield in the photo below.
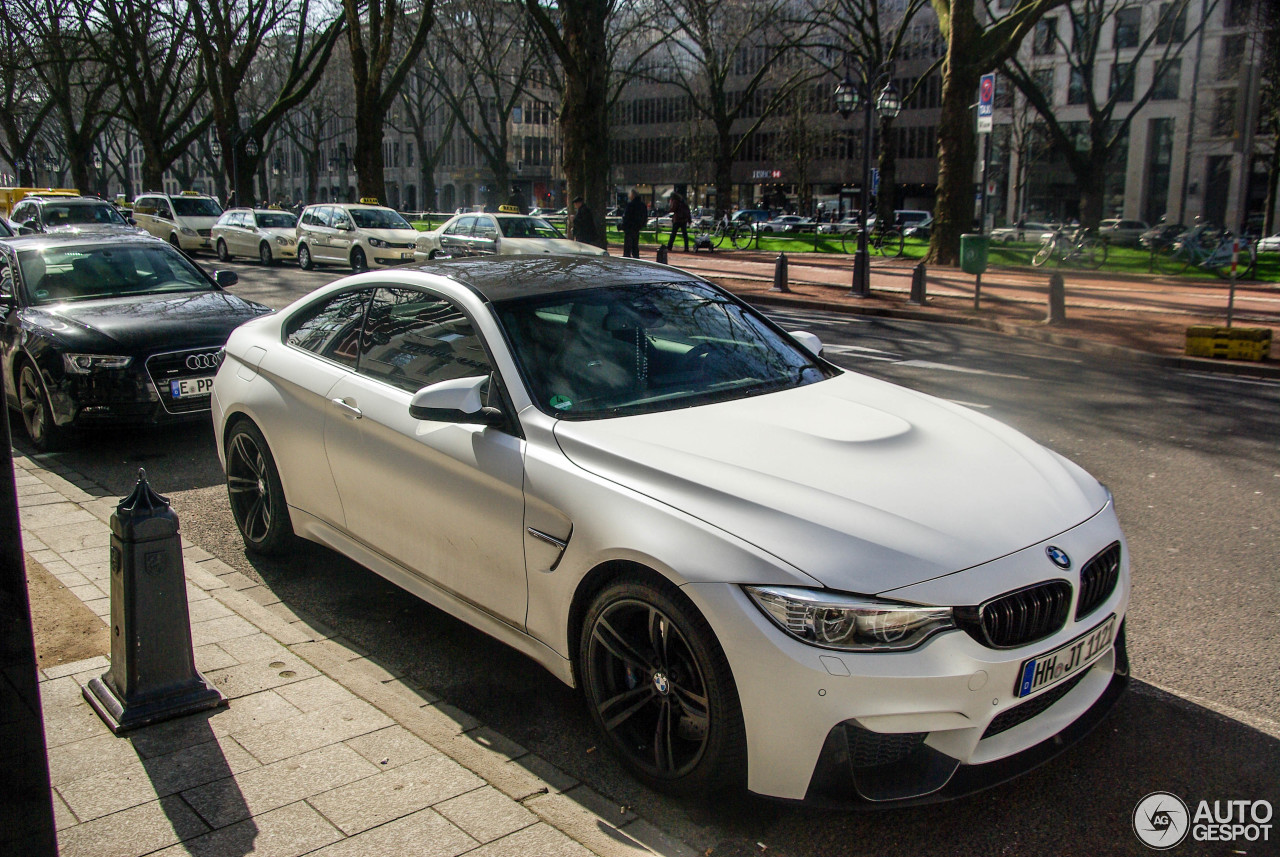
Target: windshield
x,y
527,227
5,231
621,350
78,213
196,206
378,218
276,220
82,273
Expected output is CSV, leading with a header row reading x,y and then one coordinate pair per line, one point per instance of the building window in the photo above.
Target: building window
x,y
1172,26
1122,81
1224,114
1167,81
1128,27
1046,37
1076,92
1237,13
1230,56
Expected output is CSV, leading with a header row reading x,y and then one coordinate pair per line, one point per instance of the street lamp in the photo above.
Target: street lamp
x,y
849,93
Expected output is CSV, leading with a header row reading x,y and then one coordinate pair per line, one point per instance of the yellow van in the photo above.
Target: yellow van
x,y
11,196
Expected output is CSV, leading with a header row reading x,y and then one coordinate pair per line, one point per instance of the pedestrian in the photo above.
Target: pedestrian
x,y
634,218
584,223
517,200
680,218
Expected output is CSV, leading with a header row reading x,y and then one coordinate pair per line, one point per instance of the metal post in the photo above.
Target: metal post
x,y
662,252
1231,295
918,286
861,261
986,163
977,291
153,676
1057,299
780,275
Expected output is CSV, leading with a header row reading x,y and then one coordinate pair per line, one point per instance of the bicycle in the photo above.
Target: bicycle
x,y
1083,248
1192,249
884,242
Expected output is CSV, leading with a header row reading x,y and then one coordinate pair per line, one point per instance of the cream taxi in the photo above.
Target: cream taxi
x,y
504,233
362,235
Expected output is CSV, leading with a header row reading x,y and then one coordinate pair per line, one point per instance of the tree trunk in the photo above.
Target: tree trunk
x,y
1273,187
584,113
368,154
887,198
723,169
957,151
1092,180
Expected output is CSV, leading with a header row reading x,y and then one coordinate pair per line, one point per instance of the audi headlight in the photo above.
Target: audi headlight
x,y
187,230
377,242
836,620
83,364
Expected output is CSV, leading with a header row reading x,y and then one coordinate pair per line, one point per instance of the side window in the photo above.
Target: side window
x,y
23,212
162,209
461,226
339,217
331,328
6,278
413,339
486,228
309,218
144,205
324,215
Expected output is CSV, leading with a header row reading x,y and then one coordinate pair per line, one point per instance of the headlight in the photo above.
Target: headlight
x,y
83,364
377,242
283,241
186,230
835,620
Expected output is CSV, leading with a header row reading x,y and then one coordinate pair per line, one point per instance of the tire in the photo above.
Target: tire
x,y
223,254
742,236
718,237
1246,266
659,689
889,243
1044,254
37,414
1092,253
849,241
1171,259
256,494
264,255
433,254
358,262
304,258
174,243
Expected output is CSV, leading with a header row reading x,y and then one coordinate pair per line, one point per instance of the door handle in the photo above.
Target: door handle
x,y
351,410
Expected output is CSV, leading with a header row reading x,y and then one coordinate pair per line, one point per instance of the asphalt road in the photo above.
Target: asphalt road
x,y
1194,463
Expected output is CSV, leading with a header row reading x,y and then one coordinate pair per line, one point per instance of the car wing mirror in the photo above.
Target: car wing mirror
x,y
808,341
29,227
225,279
455,401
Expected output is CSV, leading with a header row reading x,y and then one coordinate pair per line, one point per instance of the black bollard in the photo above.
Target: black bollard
x,y
780,275
1057,300
662,255
918,296
153,676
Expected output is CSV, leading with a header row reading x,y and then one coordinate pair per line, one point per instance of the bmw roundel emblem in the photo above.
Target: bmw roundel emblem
x,y
1058,557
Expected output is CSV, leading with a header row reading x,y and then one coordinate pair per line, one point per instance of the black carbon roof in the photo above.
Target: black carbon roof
x,y
498,278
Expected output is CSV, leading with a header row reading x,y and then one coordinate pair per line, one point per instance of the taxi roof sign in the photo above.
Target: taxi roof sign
x,y
509,209
189,193
369,200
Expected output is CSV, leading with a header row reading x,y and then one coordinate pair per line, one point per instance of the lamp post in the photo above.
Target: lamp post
x,y
848,94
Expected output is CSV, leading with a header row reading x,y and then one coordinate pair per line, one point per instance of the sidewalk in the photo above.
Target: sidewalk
x,y
321,750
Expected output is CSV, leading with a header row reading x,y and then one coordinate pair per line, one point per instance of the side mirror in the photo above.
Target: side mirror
x,y
345,226
129,218
29,227
808,341
455,401
226,279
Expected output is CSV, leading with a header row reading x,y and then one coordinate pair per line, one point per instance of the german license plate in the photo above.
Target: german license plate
x,y
1069,659
406,257
185,388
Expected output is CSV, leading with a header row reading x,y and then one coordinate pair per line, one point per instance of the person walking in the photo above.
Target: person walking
x,y
680,217
517,200
634,218
584,223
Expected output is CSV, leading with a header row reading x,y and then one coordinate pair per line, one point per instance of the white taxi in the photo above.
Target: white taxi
x,y
362,235
268,233
504,233
184,219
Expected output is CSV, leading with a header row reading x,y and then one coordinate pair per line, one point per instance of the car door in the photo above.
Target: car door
x,y
246,234
484,237
342,234
444,500
453,241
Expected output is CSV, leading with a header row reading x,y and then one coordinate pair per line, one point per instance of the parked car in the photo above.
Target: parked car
x,y
761,570
37,213
787,223
842,226
918,229
1162,234
500,234
109,329
364,235
1122,232
1270,244
184,219
1030,232
267,233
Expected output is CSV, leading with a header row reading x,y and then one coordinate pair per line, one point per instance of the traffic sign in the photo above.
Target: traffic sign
x,y
986,103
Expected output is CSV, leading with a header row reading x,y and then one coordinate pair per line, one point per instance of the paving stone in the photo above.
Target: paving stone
x,y
86,758
195,593
658,841
194,553
86,557
41,556
217,567
461,721
234,579
391,747
486,814
205,610
71,579
62,815
29,486
263,618
121,786
133,832
68,725
539,767
198,764
588,818
253,677
286,832
201,578
486,737
30,542
314,693
261,595
55,515
98,662
423,834
263,789
87,592
217,630
246,712
377,670
58,693
86,533
101,607
497,769
33,500
540,839
213,657
254,647
376,800
314,729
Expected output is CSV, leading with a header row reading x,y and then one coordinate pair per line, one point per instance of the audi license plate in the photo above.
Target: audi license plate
x,y
1051,667
185,388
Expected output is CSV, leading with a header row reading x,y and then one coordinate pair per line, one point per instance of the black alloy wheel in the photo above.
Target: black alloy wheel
x,y
255,491
37,413
660,689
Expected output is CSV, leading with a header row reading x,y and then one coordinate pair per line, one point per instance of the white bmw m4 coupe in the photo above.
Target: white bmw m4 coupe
x,y
762,571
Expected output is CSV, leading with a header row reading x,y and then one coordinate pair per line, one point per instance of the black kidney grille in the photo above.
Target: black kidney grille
x,y
1098,580
1036,705
1020,617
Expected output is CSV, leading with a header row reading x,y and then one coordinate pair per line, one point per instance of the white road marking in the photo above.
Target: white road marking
x,y
859,349
969,404
1256,382
925,364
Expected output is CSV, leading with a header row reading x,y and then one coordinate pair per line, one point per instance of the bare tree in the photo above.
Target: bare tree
x,y
430,122
23,107
378,30
1110,103
1268,32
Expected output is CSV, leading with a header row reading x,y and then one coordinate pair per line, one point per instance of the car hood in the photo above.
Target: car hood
x,y
279,232
859,484
91,229
554,246
145,324
392,236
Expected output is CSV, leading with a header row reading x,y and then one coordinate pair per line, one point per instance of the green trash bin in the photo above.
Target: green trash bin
x,y
973,253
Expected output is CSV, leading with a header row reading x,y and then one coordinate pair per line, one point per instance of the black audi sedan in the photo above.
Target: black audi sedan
x,y
101,330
